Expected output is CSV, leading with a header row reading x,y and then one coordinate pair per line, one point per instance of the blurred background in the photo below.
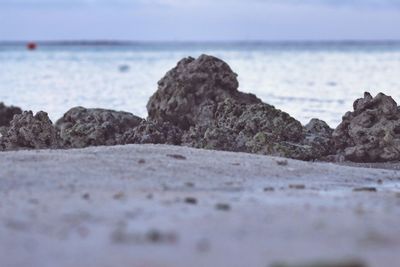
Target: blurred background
x,y
310,58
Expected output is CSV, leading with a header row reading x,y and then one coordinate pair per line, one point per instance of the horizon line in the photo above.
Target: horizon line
x,y
138,42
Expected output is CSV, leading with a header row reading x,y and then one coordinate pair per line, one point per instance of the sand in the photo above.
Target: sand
x,y
158,205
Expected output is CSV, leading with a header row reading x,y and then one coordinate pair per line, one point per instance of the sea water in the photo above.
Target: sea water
x,y
307,80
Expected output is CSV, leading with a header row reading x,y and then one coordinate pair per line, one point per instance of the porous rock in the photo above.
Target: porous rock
x,y
148,132
7,114
256,128
371,133
318,135
81,127
201,97
188,93
28,131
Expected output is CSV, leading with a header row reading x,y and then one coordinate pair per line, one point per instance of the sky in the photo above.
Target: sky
x,y
199,20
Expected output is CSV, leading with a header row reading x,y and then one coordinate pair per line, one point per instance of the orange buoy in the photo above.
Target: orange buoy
x,y
31,46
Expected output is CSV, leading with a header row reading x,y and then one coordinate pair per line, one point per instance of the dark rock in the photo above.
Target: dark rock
x,y
211,137
154,133
371,133
319,127
201,97
188,93
318,135
30,132
81,127
254,128
191,200
7,114
176,156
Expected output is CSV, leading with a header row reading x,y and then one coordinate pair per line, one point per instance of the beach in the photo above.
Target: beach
x,y
160,205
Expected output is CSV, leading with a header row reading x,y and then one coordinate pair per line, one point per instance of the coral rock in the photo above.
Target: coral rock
x,y
318,135
371,133
154,133
253,128
30,132
81,127
188,93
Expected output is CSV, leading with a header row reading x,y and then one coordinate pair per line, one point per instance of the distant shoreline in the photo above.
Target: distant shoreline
x,y
201,43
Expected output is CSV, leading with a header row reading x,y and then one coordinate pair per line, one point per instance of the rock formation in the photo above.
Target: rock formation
x,y
370,133
30,131
81,127
254,128
149,132
7,114
318,135
188,93
201,97
198,104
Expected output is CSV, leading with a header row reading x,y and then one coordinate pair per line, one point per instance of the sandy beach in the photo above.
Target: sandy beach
x,y
159,205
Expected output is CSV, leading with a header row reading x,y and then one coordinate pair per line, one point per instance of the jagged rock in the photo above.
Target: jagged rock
x,y
319,128
188,93
318,135
81,127
256,128
211,137
154,133
371,133
7,114
201,97
30,132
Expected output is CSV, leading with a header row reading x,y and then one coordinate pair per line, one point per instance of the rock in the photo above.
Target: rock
x,y
188,94
153,133
318,135
81,127
30,132
254,128
211,137
371,133
319,127
200,96
3,131
7,114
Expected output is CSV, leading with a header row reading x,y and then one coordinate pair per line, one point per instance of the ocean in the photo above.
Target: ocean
x,y
306,79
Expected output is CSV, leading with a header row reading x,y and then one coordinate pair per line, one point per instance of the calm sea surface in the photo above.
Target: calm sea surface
x,y
304,79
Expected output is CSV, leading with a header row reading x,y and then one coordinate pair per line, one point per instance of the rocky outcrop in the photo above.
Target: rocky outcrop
x,y
201,97
198,104
371,133
318,135
254,128
188,94
7,114
153,133
81,127
30,131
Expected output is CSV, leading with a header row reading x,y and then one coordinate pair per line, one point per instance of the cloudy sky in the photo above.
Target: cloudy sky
x,y
199,20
